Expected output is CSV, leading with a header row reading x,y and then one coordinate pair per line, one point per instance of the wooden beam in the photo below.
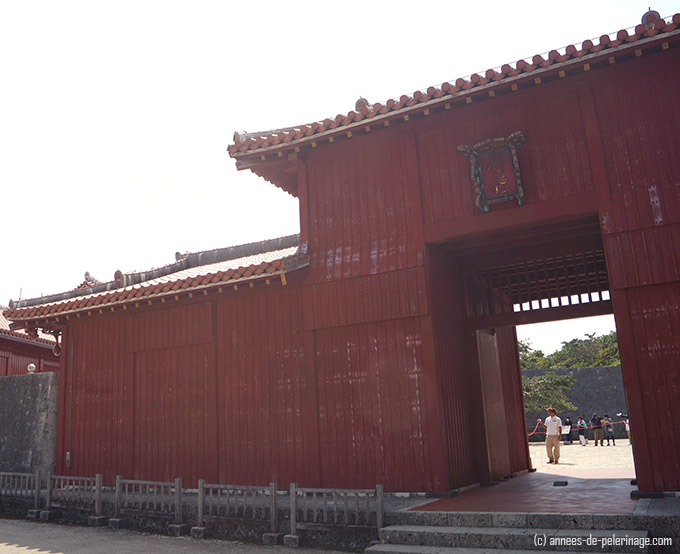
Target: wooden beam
x,y
541,315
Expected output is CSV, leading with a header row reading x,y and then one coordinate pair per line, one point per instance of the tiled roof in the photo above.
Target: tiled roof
x,y
267,145
43,339
191,272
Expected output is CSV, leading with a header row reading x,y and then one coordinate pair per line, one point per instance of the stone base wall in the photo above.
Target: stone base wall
x,y
596,390
28,412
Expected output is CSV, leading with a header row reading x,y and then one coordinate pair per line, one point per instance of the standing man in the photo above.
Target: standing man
x,y
598,432
553,428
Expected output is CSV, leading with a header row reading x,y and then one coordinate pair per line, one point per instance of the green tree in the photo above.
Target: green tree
x,y
542,391
593,351
530,358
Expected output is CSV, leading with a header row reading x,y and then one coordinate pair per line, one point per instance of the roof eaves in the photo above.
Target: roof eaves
x,y
435,97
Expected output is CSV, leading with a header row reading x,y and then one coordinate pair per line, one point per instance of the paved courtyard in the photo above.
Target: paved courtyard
x,y
587,461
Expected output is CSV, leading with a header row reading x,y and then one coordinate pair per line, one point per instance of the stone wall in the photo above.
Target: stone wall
x,y
596,390
28,412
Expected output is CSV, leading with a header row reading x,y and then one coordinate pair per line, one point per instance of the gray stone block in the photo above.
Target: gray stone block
x,y
198,533
509,519
178,529
49,515
117,523
543,521
97,521
291,541
272,538
576,521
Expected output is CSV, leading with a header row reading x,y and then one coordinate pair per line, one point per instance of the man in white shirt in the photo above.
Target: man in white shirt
x,y
553,428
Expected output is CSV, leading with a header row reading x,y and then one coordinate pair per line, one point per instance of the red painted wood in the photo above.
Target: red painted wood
x,y
358,371
17,353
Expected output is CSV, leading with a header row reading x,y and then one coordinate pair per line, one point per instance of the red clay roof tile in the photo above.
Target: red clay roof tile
x,y
365,110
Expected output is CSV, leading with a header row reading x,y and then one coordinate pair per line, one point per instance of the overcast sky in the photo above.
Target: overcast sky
x,y
115,116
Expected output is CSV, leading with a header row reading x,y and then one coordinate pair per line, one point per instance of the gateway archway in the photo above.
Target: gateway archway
x,y
547,272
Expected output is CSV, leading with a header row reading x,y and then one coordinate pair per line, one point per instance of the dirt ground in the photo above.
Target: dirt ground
x,y
23,536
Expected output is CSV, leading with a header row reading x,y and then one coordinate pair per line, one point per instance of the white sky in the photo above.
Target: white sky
x,y
115,116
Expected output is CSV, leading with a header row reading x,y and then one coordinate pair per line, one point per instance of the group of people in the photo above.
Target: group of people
x,y
603,428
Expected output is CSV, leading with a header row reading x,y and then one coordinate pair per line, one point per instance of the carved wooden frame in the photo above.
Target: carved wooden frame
x,y
510,143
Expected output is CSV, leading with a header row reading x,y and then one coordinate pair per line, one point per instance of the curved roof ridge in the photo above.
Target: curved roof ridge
x,y
183,261
246,143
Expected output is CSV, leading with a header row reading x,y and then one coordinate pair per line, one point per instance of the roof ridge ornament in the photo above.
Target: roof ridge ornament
x,y
494,169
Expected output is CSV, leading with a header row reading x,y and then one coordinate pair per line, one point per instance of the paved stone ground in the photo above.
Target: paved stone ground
x,y
22,536
587,461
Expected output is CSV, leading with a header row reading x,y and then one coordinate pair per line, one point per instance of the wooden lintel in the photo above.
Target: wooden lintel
x,y
541,316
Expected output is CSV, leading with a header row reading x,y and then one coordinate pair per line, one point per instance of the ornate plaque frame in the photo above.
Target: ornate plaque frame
x,y
494,169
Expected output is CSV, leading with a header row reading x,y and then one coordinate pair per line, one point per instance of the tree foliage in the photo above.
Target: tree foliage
x,y
593,351
542,391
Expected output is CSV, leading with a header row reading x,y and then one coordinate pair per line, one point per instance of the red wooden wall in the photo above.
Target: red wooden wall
x,y
17,353
361,370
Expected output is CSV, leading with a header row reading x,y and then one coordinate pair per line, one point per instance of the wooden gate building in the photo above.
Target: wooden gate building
x,y
379,345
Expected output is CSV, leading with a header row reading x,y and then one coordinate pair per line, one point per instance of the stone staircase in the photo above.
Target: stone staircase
x,y
508,533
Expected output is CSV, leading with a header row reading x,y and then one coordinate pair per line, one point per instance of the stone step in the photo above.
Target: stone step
x,y
419,549
563,540
517,519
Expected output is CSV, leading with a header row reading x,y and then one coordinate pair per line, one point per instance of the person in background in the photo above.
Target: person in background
x,y
596,424
553,428
626,422
581,427
566,431
608,425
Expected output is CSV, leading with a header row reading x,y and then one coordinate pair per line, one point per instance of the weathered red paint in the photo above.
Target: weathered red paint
x,y
16,353
364,368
